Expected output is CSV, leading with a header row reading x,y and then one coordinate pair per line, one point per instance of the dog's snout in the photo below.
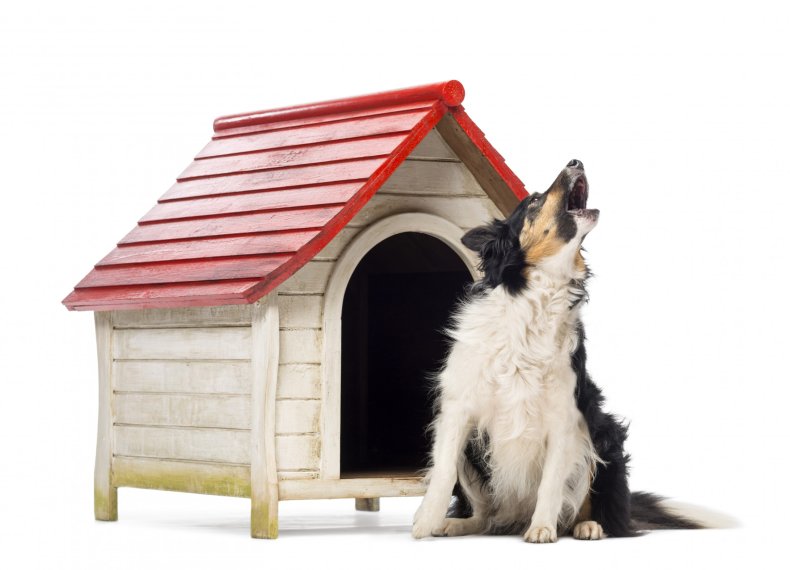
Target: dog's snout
x,y
575,163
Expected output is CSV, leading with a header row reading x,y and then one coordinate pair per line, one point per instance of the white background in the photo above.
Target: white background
x,y
679,112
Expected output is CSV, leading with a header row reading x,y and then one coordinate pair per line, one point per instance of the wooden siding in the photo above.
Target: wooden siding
x,y
182,398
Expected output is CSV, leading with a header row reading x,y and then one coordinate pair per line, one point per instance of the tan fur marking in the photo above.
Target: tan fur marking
x,y
579,262
539,238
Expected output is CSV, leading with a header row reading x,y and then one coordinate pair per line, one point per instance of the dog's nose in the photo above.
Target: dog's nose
x,y
576,164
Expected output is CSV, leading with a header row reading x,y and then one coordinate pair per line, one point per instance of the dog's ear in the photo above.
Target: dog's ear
x,y
501,258
476,238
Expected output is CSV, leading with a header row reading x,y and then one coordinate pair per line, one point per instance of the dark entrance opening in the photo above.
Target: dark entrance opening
x,y
396,305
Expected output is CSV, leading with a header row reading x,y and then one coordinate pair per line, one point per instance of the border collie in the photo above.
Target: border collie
x,y
520,438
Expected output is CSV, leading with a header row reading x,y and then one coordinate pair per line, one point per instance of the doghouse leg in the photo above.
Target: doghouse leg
x,y
371,505
263,519
105,496
264,486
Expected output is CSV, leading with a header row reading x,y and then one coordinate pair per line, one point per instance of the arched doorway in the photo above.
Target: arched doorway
x,y
396,304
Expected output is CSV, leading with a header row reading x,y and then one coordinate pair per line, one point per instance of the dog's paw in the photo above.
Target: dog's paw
x,y
421,530
588,530
541,534
458,527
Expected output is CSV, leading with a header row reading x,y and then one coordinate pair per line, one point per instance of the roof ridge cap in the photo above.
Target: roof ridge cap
x,y
451,93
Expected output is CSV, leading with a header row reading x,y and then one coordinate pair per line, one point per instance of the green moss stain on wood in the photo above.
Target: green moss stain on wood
x,y
207,479
105,505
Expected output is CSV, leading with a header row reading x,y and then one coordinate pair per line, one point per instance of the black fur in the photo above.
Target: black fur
x,y
501,259
610,496
647,514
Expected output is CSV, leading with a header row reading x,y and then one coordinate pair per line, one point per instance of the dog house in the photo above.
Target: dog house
x,y
268,327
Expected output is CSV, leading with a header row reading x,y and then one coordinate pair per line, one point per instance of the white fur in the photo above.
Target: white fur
x,y
509,375
706,518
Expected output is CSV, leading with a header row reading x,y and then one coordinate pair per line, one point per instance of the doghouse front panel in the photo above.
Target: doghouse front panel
x,y
182,401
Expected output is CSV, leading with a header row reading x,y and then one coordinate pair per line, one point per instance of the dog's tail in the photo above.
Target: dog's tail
x,y
653,512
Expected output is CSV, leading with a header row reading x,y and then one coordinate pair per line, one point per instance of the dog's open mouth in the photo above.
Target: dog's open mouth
x,y
577,200
577,197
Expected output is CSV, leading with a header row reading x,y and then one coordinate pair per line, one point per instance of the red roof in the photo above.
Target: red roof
x,y
266,194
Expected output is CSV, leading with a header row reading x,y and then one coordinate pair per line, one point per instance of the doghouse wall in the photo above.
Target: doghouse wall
x,y
181,382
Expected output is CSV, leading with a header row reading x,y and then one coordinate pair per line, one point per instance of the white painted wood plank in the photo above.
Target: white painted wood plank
x,y
225,446
347,488
310,279
432,178
105,495
190,317
300,475
298,452
186,476
300,346
292,452
182,343
198,377
301,311
265,366
433,146
334,248
299,381
297,416
198,410
462,211
480,167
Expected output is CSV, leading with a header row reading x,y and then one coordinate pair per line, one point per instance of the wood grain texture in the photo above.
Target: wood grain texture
x,y
467,211
185,476
184,410
298,380
277,221
449,93
105,494
294,156
205,248
315,174
301,311
300,346
278,199
315,135
222,315
227,343
247,267
263,467
350,488
431,178
292,416
334,248
341,117
309,280
292,452
187,376
192,444
488,166
433,147
139,297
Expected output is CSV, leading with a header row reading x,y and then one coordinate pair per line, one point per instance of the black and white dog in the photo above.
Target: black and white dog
x,y
520,438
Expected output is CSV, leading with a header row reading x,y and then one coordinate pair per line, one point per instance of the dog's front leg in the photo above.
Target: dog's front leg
x,y
556,470
451,430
